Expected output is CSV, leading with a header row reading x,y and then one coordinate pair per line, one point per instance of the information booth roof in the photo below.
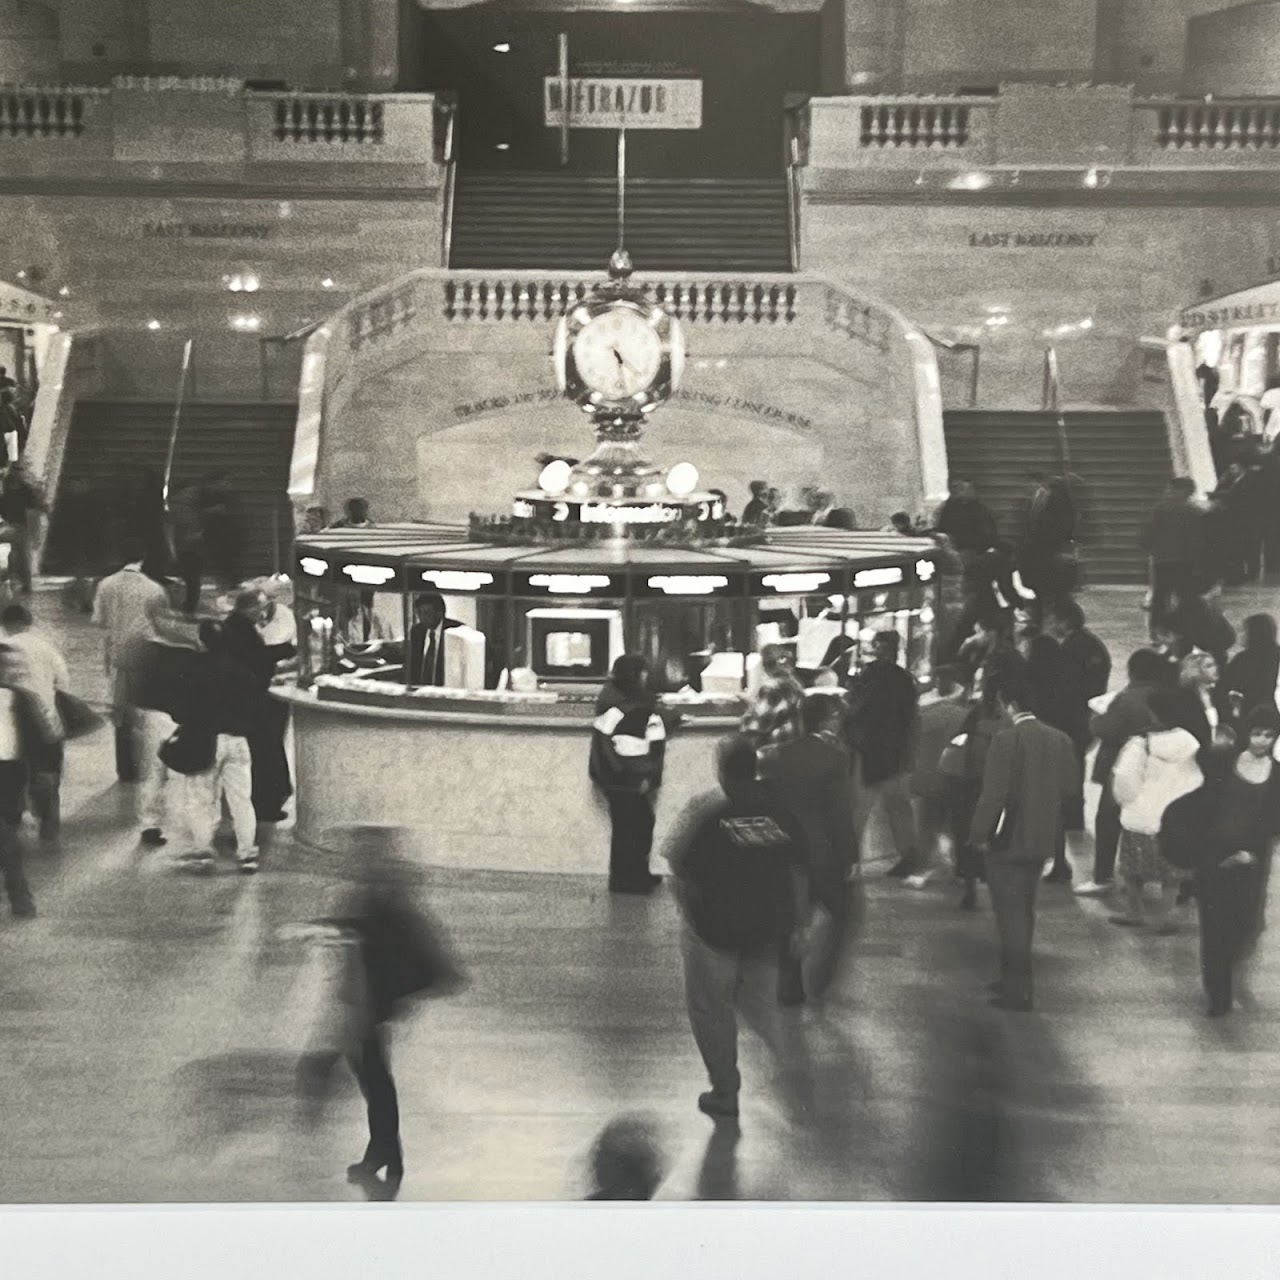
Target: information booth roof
x,y
444,546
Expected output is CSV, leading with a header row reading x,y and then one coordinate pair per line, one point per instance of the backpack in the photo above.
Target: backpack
x,y
737,879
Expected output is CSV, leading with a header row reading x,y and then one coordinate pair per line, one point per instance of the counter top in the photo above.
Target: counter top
x,y
513,718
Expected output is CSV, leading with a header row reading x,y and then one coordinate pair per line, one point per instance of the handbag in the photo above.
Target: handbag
x,y
77,716
188,750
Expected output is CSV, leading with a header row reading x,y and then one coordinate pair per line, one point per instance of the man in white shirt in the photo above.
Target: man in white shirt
x,y
44,675
136,613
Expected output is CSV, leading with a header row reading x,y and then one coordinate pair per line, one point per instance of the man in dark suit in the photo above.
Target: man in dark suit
x,y
1029,779
1174,536
425,657
812,777
1048,549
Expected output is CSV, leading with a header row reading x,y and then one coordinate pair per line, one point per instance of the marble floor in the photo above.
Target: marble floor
x,y
150,1024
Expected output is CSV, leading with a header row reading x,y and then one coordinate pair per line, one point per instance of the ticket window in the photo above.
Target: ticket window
x,y
573,644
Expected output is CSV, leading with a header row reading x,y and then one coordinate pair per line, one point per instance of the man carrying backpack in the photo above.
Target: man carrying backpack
x,y
738,860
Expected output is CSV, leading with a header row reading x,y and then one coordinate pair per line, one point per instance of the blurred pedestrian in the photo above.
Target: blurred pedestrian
x,y
355,515
942,716
15,734
628,746
1047,555
1199,619
46,676
1175,539
394,951
1251,675
1028,780
21,503
811,777
739,863
755,515
1153,770
883,726
776,713
314,520
13,427
1128,714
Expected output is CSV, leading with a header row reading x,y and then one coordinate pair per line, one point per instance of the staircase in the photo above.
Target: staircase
x,y
1121,457
248,444
567,221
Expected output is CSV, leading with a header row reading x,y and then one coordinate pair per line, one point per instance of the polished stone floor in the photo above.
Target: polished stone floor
x,y
150,1023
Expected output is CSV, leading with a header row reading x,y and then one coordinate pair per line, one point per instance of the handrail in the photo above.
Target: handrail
x,y
793,160
177,419
1052,401
450,180
973,349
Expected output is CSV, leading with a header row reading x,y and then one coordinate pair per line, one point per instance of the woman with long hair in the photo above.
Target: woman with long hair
x,y
1251,676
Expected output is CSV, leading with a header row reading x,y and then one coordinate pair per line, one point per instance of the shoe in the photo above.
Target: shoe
x,y
154,838
249,863
1093,889
23,909
196,864
1217,1011
1129,922
900,869
1057,875
1010,1006
718,1108
920,881
654,880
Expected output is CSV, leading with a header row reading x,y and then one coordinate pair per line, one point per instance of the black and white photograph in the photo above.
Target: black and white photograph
x,y
639,601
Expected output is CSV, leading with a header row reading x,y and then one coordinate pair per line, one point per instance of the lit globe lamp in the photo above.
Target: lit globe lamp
x,y
553,479
682,479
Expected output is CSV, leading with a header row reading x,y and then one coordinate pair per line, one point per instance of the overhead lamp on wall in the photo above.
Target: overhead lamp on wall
x,y
974,180
503,47
1095,178
153,325
246,323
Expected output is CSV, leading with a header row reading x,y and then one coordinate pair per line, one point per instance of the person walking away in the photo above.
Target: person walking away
x,y
965,763
1230,828
942,717
1252,674
395,953
1048,546
21,503
739,866
1175,539
776,715
46,676
883,725
628,745
223,703
1153,770
1200,621
967,523
1029,779
1127,715
1085,665
14,736
811,777
187,533
135,613
272,785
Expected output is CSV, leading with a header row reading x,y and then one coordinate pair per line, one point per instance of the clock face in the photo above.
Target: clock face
x,y
618,354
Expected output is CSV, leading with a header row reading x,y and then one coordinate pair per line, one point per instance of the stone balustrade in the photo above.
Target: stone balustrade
x,y
218,132
1031,126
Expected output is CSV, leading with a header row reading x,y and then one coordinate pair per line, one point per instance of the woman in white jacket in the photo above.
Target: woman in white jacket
x,y
1152,771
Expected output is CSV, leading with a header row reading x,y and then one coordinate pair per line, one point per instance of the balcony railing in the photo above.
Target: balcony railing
x,y
934,126
329,118
1218,126
44,113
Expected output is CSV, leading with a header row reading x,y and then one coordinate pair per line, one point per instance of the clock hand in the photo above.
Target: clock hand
x,y
625,363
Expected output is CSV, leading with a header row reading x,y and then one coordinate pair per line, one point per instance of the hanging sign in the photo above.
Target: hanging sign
x,y
624,103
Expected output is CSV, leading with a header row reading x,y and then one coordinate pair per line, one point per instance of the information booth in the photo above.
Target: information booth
x,y
489,767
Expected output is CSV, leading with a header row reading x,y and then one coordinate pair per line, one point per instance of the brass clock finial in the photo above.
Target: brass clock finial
x,y
620,267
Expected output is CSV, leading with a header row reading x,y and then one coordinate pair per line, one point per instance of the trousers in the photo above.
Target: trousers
x,y
13,782
1106,836
150,729
895,795
1229,902
1169,578
717,986
231,778
631,815
1012,886
373,1073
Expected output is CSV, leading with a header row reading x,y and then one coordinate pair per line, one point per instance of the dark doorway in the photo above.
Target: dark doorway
x,y
746,58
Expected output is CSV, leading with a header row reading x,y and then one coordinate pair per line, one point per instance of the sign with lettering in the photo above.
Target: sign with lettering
x,y
605,102
1032,239
208,230
1227,317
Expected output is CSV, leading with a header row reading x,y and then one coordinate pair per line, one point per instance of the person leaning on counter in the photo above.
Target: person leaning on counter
x,y
425,656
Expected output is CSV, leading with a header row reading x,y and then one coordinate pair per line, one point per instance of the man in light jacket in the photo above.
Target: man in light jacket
x,y
1029,779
